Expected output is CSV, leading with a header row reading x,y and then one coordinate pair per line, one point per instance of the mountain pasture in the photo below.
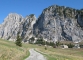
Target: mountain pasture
x,y
9,51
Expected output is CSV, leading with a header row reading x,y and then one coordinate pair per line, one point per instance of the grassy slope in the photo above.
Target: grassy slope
x,y
9,51
63,54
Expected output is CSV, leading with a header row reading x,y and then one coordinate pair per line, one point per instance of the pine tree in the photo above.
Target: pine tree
x,y
18,41
31,40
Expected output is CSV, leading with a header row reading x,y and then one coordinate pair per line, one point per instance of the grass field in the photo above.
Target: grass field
x,y
62,54
9,51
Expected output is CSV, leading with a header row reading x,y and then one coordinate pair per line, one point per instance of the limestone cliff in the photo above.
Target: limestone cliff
x,y
14,24
56,23
60,23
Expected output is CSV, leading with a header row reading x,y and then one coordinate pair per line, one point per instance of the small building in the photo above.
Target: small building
x,y
64,46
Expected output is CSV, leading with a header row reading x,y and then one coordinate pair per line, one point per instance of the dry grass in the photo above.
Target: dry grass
x,y
9,51
63,54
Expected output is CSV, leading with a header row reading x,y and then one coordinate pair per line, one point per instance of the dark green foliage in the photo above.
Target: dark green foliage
x,y
40,41
31,15
31,40
59,10
67,12
70,45
57,43
78,11
81,45
53,44
18,41
45,48
45,9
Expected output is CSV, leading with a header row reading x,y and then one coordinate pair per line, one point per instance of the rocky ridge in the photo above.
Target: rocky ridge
x,y
14,24
56,23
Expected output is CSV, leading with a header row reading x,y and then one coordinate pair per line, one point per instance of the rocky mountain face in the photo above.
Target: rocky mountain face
x,y
14,24
56,23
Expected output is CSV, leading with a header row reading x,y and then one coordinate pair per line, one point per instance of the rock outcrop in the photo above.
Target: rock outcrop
x,y
14,24
28,27
10,26
56,23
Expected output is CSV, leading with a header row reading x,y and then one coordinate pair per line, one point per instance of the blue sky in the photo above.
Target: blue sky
x,y
26,7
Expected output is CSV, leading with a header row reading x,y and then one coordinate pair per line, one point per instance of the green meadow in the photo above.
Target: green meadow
x,y
9,51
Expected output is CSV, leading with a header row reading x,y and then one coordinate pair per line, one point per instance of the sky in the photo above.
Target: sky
x,y
27,7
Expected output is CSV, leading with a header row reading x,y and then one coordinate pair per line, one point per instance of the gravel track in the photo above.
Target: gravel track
x,y
35,55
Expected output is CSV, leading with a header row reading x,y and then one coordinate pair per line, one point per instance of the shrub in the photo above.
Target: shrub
x,y
31,15
57,43
70,45
40,41
45,48
52,44
18,41
31,40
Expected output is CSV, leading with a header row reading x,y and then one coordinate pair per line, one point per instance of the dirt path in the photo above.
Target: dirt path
x,y
35,55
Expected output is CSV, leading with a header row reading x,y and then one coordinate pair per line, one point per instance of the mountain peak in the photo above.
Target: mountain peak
x,y
60,23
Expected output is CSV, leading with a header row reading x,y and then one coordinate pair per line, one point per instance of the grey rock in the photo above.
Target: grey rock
x,y
14,24
10,26
28,27
56,23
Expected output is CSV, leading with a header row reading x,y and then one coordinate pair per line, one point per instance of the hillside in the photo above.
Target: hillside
x,y
9,51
